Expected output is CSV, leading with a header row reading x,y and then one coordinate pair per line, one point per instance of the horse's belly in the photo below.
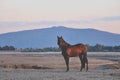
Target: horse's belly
x,y
72,53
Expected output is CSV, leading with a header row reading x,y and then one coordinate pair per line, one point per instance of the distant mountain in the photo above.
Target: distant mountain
x,y
47,37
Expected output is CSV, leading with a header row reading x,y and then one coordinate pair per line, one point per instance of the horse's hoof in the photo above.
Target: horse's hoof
x,y
80,70
86,70
67,70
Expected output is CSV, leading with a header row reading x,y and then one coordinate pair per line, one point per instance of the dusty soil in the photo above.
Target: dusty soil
x,y
47,67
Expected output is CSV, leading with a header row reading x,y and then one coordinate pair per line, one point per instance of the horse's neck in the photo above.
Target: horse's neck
x,y
66,44
64,47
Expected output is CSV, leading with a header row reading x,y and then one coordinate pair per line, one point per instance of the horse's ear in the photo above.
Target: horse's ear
x,y
61,37
58,37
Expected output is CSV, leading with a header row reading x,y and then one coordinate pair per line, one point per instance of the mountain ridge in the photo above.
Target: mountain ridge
x,y
47,37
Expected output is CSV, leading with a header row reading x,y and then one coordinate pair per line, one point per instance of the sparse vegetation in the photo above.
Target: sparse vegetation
x,y
96,48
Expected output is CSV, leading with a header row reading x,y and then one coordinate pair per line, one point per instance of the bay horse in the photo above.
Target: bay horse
x,y
69,50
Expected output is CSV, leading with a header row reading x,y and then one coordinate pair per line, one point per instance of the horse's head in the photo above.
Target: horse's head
x,y
61,42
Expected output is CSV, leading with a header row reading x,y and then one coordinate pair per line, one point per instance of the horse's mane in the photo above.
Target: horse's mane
x,y
77,44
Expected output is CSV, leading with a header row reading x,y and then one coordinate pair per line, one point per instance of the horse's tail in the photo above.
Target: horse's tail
x,y
85,60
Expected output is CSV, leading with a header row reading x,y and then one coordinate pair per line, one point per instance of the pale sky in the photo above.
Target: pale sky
x,y
17,15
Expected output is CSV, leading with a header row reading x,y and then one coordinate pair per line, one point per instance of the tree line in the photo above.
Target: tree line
x,y
102,48
96,48
8,48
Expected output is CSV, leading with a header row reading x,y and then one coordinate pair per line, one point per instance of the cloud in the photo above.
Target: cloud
x,y
19,24
113,18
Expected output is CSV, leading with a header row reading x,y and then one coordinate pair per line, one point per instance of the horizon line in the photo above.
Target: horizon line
x,y
56,27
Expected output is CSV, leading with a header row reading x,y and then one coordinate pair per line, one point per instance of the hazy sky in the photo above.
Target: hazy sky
x,y
18,15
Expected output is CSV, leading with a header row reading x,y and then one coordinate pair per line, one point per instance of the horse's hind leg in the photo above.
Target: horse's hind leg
x,y
80,56
86,60
83,61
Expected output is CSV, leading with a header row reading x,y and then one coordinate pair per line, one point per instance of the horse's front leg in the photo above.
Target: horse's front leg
x,y
67,62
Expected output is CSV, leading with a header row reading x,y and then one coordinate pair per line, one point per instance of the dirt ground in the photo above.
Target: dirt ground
x,y
47,67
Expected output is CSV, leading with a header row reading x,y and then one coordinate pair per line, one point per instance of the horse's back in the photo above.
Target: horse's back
x,y
76,50
80,46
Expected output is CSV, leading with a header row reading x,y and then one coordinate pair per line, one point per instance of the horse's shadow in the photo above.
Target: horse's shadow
x,y
54,70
